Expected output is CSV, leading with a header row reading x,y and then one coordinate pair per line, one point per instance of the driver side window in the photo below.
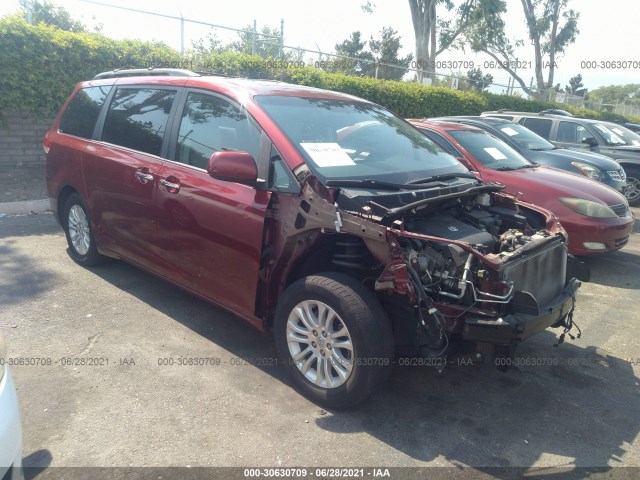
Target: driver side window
x,y
572,132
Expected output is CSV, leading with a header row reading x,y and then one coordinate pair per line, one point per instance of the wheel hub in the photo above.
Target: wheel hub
x,y
79,232
320,344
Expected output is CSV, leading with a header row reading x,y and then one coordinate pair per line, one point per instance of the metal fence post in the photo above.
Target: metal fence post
x,y
253,39
181,35
27,6
281,54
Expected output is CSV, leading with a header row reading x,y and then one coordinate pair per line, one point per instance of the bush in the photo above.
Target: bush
x,y
40,64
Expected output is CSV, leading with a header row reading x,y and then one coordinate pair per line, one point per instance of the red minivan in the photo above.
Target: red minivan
x,y
596,217
319,216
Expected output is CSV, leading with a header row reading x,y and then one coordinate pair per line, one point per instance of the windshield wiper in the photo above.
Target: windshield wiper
x,y
377,184
444,176
366,183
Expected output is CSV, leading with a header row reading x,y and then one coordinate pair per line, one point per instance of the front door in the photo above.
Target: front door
x,y
210,231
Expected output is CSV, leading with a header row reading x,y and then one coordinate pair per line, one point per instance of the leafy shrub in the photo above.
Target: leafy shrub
x,y
40,64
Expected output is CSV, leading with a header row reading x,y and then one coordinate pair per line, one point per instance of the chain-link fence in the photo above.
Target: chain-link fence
x,y
582,101
269,44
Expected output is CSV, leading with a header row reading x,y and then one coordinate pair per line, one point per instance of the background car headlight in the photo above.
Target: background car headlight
x,y
3,355
588,208
589,170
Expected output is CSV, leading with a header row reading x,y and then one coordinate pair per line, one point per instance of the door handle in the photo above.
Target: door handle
x,y
143,177
170,186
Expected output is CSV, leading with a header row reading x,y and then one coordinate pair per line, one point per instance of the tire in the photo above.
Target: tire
x,y
352,331
77,227
632,190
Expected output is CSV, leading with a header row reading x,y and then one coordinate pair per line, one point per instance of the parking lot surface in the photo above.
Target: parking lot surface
x,y
122,369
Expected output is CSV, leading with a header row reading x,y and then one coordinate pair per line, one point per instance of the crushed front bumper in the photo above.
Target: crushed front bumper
x,y
512,328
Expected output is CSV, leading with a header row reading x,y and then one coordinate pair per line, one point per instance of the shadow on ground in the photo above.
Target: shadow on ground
x,y
22,277
571,405
608,269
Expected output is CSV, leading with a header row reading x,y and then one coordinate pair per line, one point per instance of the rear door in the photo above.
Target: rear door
x,y
121,171
210,231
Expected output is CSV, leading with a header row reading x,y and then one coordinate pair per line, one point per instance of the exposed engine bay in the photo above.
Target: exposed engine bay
x,y
461,263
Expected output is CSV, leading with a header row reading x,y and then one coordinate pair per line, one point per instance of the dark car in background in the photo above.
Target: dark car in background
x,y
539,150
596,217
315,215
634,127
583,134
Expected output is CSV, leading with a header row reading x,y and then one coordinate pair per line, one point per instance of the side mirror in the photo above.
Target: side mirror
x,y
233,166
592,142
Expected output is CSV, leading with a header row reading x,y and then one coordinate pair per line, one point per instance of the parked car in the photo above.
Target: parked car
x,y
597,218
634,127
315,215
584,134
10,427
538,150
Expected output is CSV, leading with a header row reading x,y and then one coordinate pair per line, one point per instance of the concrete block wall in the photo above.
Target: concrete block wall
x,y
21,140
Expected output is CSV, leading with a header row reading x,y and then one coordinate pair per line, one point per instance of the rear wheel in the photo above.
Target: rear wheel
x,y
334,339
77,226
632,190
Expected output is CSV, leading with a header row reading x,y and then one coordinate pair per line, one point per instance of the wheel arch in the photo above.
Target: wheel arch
x,y
64,194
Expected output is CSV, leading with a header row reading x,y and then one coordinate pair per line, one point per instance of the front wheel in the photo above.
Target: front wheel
x,y
77,227
334,339
632,190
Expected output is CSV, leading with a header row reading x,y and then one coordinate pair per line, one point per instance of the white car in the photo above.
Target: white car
x,y
10,429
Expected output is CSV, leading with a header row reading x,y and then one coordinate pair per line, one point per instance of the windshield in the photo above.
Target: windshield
x,y
490,151
525,137
351,140
608,136
630,137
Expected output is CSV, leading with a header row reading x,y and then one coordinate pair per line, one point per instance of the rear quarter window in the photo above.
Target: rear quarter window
x,y
80,117
541,126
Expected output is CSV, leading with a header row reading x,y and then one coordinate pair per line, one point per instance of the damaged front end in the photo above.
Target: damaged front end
x,y
455,264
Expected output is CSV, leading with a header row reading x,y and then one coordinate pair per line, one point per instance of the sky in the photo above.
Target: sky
x,y
606,34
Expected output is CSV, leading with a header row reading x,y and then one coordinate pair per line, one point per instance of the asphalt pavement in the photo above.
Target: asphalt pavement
x,y
108,379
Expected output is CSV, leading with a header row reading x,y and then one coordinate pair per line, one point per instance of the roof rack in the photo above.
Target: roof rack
x,y
556,111
146,72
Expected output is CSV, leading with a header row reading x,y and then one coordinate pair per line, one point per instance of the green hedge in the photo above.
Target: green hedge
x,y
40,64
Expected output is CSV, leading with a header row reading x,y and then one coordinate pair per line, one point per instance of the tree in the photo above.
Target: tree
x,y
209,44
434,35
575,86
354,48
265,43
386,52
59,17
551,28
368,6
477,81
615,94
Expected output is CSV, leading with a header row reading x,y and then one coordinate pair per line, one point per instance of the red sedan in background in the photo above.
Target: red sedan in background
x,y
596,217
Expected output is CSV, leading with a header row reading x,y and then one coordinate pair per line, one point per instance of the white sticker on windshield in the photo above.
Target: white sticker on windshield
x,y
495,153
327,154
509,131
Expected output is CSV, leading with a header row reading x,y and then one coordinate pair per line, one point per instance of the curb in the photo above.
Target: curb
x,y
26,207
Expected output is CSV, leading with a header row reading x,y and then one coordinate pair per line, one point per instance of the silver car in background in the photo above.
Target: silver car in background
x,y
10,428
